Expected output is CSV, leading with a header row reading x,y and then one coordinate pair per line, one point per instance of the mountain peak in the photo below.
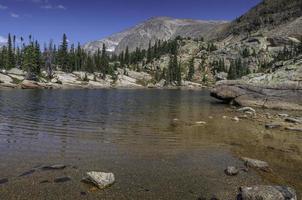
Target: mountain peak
x,y
154,28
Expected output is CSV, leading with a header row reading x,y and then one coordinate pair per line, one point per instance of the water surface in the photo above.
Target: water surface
x,y
135,135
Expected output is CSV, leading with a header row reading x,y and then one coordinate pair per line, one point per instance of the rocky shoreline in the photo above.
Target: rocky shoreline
x,y
281,89
16,78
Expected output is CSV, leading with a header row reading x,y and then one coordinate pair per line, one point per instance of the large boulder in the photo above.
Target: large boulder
x,y
5,79
264,192
281,89
26,84
16,71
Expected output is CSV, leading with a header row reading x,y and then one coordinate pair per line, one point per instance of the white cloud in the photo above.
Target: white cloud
x,y
3,40
3,7
14,15
61,7
49,7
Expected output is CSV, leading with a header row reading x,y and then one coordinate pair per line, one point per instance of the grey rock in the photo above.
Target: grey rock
x,y
247,109
62,179
262,165
3,181
54,167
100,179
293,120
273,126
264,192
297,129
231,171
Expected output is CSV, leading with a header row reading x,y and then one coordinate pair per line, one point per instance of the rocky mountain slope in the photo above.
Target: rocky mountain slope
x,y
157,28
270,17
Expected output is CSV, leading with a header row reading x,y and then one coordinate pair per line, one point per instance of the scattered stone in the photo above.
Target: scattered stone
x,y
100,179
236,119
3,181
283,115
262,165
293,129
293,120
264,192
62,179
247,109
54,167
83,193
272,126
27,173
224,117
200,122
231,171
44,181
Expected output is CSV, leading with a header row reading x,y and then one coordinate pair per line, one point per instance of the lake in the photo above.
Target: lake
x,y
148,138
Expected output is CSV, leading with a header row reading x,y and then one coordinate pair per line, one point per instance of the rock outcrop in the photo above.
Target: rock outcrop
x,y
281,89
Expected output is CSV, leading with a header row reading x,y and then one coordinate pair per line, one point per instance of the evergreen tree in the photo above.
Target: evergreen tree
x,y
10,54
191,70
63,54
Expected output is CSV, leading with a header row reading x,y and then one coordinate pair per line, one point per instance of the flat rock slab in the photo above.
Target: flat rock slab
x,y
267,193
100,179
262,165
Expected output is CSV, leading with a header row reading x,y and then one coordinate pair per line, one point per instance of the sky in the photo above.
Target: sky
x,y
88,20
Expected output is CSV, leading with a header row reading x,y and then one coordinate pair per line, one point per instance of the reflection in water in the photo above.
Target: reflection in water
x,y
132,132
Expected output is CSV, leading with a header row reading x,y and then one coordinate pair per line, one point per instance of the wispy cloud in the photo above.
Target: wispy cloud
x,y
61,7
3,40
49,7
14,15
3,7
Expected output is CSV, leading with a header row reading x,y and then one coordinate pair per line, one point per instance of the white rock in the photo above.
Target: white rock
x,y
16,71
5,79
100,179
247,109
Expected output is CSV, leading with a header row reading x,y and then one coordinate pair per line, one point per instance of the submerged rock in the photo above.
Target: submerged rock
x,y
4,180
27,173
62,179
231,171
54,167
263,192
293,120
247,110
272,126
262,165
100,179
297,129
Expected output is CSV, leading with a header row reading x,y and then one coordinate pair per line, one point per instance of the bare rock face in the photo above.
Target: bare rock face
x,y
281,89
157,28
267,193
26,84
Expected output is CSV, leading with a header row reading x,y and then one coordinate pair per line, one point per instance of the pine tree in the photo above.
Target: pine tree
x,y
104,62
127,56
191,70
63,54
10,54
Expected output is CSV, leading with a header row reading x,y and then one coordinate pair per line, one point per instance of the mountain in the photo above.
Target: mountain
x,y
270,17
157,28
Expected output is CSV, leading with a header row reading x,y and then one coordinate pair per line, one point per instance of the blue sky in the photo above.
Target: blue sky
x,y
86,20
